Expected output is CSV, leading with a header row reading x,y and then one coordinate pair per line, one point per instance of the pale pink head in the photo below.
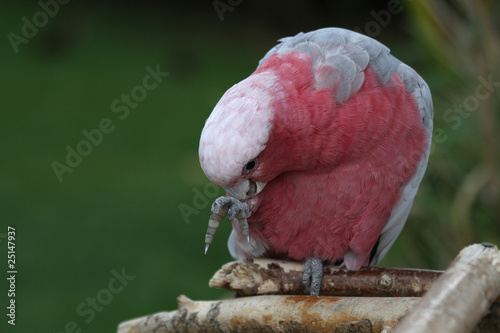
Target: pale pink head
x,y
237,132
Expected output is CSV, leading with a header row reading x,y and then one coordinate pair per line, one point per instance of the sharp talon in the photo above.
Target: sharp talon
x,y
219,211
234,210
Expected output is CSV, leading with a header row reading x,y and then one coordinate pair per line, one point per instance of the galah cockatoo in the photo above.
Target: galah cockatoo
x,y
321,151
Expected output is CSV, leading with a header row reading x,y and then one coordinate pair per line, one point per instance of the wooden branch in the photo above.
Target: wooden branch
x,y
454,303
277,314
264,276
461,296
290,314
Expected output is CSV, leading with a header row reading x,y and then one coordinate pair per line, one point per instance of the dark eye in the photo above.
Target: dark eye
x,y
250,165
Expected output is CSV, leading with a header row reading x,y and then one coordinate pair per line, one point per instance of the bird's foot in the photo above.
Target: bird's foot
x,y
234,210
313,275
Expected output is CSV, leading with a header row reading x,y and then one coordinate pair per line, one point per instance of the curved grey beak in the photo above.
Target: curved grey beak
x,y
245,190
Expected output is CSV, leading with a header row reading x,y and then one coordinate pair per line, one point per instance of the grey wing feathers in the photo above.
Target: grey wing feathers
x,y
419,89
340,58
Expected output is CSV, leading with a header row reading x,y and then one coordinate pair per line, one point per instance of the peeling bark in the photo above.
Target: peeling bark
x,y
290,314
264,276
277,314
461,296
455,302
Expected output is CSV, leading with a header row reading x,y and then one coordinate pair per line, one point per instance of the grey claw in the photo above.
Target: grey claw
x,y
313,275
239,211
234,210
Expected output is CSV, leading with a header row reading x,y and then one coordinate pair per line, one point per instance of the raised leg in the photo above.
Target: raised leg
x,y
234,210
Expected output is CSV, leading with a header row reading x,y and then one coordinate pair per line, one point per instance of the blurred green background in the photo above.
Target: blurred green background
x,y
139,202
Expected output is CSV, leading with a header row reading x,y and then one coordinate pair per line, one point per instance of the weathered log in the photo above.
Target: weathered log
x,y
277,314
288,314
461,296
264,276
455,302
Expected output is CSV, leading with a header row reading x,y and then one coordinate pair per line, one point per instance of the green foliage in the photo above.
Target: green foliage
x,y
120,207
